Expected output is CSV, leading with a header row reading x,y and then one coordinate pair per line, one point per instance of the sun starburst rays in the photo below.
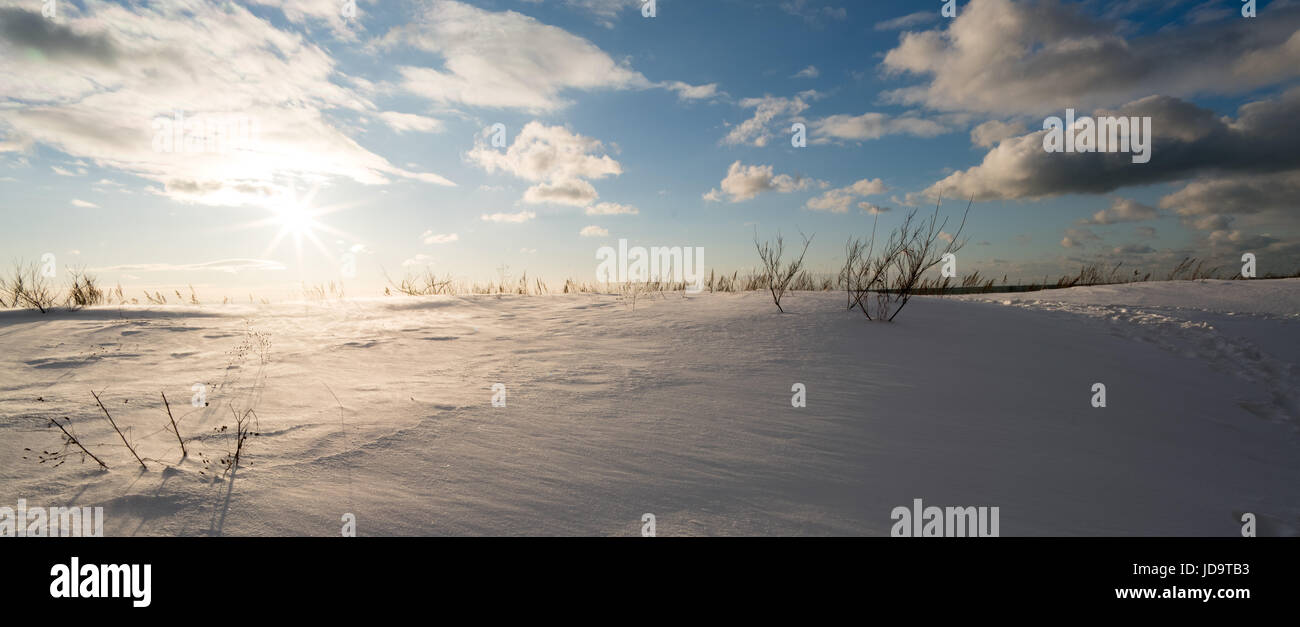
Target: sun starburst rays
x,y
299,220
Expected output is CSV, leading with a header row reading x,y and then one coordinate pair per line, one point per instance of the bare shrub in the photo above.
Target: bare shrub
x,y
881,282
84,291
629,291
866,273
425,284
26,287
778,275
244,425
851,272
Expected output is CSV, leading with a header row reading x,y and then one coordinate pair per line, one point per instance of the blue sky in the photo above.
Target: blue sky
x,y
373,134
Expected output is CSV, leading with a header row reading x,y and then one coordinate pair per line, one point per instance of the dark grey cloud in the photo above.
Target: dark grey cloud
x,y
1133,249
1037,56
1236,195
30,30
1188,141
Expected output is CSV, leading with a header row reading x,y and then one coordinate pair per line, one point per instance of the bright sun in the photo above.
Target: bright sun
x,y
297,218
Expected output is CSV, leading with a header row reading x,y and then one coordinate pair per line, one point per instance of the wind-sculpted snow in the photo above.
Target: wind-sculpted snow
x,y
681,407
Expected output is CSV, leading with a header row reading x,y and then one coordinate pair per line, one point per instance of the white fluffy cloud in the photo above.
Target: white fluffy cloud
x,y
611,209
418,260
757,130
808,72
572,192
93,83
509,218
606,12
870,126
429,237
993,131
407,122
593,231
510,60
1124,210
559,161
744,182
687,91
503,59
838,200
326,12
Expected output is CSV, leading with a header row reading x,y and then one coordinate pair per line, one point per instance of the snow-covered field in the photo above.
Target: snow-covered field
x,y
680,407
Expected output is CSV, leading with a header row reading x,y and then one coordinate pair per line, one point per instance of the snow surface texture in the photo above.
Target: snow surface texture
x,y
680,407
